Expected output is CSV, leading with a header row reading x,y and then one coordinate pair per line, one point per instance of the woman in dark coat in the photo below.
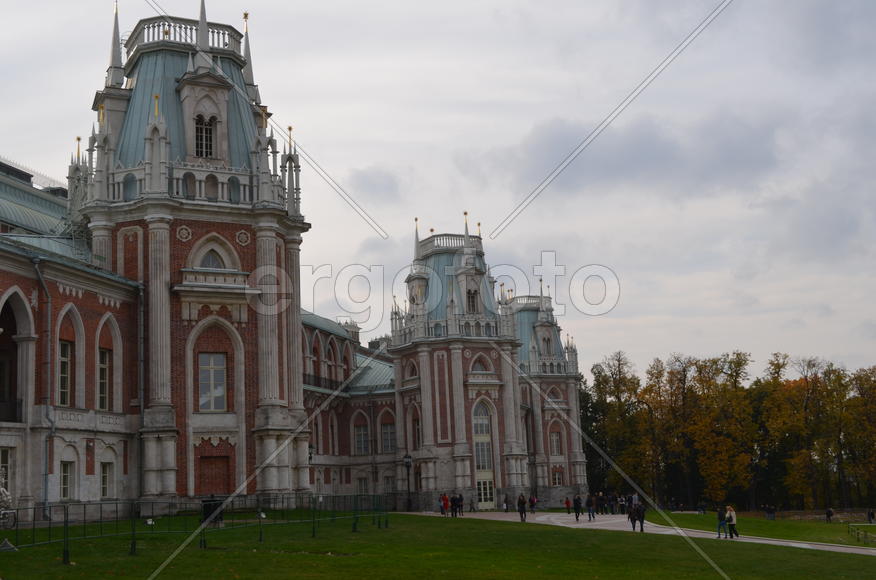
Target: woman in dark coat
x,y
521,507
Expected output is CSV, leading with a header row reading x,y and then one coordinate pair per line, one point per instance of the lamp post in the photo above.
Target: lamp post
x,y
408,462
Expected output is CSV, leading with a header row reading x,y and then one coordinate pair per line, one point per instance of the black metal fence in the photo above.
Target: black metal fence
x,y
62,523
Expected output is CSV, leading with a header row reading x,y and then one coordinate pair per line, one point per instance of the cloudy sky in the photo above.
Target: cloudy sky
x,y
733,199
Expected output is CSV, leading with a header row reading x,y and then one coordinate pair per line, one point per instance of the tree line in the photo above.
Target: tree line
x,y
694,431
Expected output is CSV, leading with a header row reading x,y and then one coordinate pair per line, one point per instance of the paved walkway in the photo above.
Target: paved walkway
x,y
620,523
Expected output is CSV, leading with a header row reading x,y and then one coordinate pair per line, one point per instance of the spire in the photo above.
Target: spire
x,y
465,217
190,67
115,73
203,31
203,45
416,238
252,90
247,68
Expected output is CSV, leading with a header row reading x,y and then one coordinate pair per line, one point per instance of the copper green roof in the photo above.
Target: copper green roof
x,y
29,208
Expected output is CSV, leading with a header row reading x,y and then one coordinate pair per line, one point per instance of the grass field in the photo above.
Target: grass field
x,y
428,547
752,524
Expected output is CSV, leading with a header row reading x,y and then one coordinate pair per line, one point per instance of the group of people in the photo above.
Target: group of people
x,y
727,521
452,505
522,504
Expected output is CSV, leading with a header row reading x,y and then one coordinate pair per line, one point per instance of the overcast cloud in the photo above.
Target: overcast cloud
x,y
734,198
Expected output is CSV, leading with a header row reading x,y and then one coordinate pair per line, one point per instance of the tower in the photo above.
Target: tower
x,y
184,190
456,374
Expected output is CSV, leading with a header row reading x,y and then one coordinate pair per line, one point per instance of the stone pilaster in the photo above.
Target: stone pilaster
x,y
267,314
293,318
159,310
428,416
101,243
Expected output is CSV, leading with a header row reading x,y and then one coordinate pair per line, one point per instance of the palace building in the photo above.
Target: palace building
x,y
153,344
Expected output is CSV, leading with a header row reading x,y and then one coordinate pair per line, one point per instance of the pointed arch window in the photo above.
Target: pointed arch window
x,y
212,260
471,302
204,134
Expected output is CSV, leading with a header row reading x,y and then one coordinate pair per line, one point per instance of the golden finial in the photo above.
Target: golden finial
x,y
465,216
431,231
479,229
166,32
289,128
245,22
156,105
78,141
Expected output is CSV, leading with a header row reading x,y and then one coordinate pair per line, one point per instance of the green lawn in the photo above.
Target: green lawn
x,y
752,524
429,547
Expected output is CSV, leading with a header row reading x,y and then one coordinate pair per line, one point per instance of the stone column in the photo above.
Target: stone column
x,y
159,310
150,462
401,419
508,400
426,397
168,461
268,476
459,439
538,427
266,315
26,364
303,463
160,449
101,244
293,319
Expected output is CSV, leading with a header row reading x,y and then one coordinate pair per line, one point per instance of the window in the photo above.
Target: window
x,y
485,491
211,381
362,485
479,366
212,260
360,435
556,443
471,302
106,480
67,473
6,468
65,372
483,448
204,136
483,461
104,356
387,438
557,478
418,433
388,484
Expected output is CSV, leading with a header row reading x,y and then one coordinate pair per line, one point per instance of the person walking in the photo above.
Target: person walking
x,y
568,505
828,515
591,514
731,521
521,507
722,522
445,505
637,514
577,503
532,501
507,504
871,516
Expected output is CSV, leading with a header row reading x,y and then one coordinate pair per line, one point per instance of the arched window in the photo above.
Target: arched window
x,y
212,260
410,370
204,129
471,302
